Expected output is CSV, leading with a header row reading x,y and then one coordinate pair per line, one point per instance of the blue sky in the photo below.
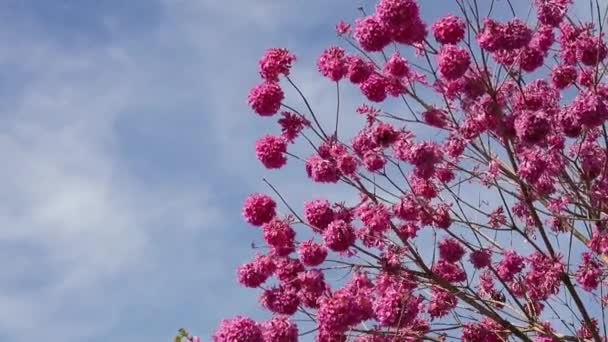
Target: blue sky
x,y
128,150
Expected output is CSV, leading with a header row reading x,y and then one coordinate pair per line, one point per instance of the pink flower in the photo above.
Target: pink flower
x,y
256,272
339,236
542,39
450,250
395,13
449,29
342,28
410,32
312,254
396,66
271,150
589,109
449,271
347,164
453,62
312,286
318,213
337,312
375,216
265,99
395,305
435,117
358,70
280,329
291,125
590,50
543,280
287,269
332,63
441,303
530,59
322,170
280,300
259,209
275,61
551,12
563,75
589,273
238,329
279,235
371,34
481,258
512,35
374,88
373,161
511,264
532,127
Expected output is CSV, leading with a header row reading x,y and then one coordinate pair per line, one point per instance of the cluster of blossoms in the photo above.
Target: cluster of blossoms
x,y
417,251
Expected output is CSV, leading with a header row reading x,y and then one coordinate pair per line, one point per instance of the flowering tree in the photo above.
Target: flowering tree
x,y
473,104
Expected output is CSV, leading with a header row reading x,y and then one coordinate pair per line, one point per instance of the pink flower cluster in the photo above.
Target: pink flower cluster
x,y
413,252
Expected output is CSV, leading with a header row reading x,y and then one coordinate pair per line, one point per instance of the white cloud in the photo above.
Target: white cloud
x,y
79,226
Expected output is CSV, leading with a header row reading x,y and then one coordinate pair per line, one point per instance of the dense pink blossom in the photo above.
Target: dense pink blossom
x,y
318,213
395,305
371,33
589,273
551,12
256,272
531,59
511,35
337,312
265,98
485,331
287,269
322,170
396,66
374,88
238,329
543,279
311,253
270,150
450,250
312,286
589,108
339,236
449,271
279,235
563,76
542,39
291,125
511,264
280,329
411,32
441,303
375,216
394,13
532,126
435,117
449,29
259,209
332,63
280,300
590,50
453,62
481,258
441,217
357,69
275,61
